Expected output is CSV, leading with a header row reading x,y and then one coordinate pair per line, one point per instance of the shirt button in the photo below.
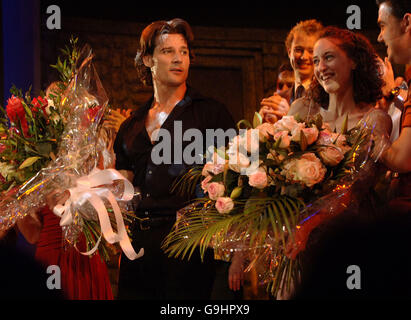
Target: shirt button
x,y
146,213
148,195
150,172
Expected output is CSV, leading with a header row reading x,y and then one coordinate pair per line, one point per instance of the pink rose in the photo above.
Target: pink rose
x,y
326,126
215,165
265,130
213,168
205,183
285,139
287,123
252,140
296,132
258,179
331,155
339,139
311,134
238,161
224,205
215,190
236,145
308,169
324,138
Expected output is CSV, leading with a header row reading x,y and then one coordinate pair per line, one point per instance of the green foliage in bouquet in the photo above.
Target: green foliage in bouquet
x,y
31,128
31,131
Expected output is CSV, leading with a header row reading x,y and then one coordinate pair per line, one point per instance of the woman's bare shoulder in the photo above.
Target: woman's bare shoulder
x,y
303,107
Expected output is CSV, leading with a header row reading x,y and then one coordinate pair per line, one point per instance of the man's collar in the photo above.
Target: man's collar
x,y
189,96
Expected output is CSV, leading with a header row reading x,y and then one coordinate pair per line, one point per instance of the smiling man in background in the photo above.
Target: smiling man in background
x,y
299,44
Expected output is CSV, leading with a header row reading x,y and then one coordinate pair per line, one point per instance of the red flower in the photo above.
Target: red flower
x,y
2,180
14,131
2,147
90,116
15,111
39,103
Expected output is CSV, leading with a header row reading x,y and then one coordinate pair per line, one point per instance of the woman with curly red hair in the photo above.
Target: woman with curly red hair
x,y
344,92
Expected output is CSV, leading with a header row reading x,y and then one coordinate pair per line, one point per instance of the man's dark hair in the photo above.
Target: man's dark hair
x,y
148,42
367,81
399,7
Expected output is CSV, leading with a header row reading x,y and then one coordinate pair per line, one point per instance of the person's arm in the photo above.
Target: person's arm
x,y
30,227
122,159
398,157
381,124
236,272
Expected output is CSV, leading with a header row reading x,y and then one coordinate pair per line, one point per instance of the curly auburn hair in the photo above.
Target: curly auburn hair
x,y
148,42
367,81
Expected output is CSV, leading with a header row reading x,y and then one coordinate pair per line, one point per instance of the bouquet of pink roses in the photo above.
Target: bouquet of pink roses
x,y
258,190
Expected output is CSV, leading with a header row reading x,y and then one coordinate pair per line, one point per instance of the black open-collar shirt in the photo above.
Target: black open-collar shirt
x,y
133,149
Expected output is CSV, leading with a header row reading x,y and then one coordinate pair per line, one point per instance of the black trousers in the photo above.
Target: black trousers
x,y
157,277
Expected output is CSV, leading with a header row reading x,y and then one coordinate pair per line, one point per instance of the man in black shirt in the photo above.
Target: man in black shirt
x,y
163,61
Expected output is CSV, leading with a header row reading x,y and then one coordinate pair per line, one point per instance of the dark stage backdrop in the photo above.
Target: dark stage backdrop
x,y
239,45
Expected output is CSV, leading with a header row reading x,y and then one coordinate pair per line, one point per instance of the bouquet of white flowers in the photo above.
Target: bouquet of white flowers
x,y
255,206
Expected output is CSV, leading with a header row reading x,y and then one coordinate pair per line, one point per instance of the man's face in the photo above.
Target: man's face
x,y
285,82
170,61
301,55
390,33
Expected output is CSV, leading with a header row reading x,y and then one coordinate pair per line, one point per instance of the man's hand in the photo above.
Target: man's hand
x,y
236,272
295,246
115,118
388,77
274,108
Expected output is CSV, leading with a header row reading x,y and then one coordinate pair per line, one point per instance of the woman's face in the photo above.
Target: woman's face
x,y
332,67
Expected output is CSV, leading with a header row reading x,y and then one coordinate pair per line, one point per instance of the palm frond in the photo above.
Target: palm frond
x,y
252,221
187,183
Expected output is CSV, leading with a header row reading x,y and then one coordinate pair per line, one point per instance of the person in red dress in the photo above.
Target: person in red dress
x,y
82,277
